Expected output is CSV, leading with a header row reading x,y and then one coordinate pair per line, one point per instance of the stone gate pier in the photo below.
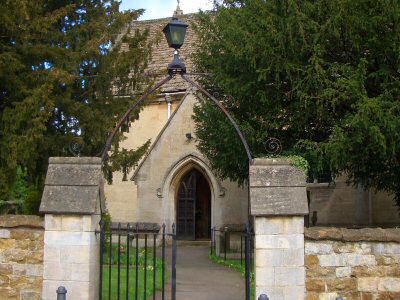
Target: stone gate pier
x,y
278,203
72,201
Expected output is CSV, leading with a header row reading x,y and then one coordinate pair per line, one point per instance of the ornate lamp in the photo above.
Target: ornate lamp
x,y
175,32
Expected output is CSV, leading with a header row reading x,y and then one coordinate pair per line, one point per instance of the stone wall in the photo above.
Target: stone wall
x,y
342,205
383,209
21,257
362,264
122,195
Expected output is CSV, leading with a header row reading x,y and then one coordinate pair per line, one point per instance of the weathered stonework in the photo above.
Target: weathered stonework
x,y
352,263
277,188
71,256
73,186
278,203
72,200
279,257
21,257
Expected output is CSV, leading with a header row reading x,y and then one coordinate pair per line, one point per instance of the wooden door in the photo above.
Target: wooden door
x,y
203,208
186,207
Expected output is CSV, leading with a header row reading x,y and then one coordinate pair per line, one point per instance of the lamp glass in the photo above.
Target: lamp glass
x,y
175,32
178,35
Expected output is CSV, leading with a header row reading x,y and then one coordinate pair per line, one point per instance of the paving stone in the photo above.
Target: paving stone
x,y
198,278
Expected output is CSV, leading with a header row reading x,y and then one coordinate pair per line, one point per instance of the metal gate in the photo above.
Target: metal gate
x,y
133,262
247,251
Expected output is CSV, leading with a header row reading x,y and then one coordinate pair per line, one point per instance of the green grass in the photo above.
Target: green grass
x,y
238,267
132,273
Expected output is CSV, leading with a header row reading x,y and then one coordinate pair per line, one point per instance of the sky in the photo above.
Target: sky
x,y
165,8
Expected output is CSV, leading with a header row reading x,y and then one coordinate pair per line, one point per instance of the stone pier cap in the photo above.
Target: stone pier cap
x,y
277,188
74,185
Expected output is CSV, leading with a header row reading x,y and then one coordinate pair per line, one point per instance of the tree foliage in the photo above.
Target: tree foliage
x,y
62,70
23,197
321,76
124,161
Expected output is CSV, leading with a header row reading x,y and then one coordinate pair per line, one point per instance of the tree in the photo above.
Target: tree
x,y
62,72
322,76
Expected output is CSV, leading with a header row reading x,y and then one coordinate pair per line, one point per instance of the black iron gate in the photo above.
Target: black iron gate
x,y
247,251
133,262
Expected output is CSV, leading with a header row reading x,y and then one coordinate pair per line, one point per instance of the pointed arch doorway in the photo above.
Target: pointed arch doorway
x,y
193,209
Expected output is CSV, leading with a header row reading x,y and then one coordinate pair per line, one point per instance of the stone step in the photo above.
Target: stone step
x,y
199,243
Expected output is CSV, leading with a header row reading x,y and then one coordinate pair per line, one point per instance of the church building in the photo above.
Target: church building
x,y
174,182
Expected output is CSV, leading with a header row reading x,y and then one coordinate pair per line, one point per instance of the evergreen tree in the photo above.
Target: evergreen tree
x,y
322,76
62,72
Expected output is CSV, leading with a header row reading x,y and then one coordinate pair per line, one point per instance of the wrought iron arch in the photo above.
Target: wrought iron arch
x,y
157,86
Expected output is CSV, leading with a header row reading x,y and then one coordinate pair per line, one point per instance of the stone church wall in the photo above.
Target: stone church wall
x,y
352,263
384,210
340,204
122,195
21,257
159,175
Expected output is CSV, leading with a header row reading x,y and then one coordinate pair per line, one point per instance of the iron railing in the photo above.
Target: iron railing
x,y
226,243
132,262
